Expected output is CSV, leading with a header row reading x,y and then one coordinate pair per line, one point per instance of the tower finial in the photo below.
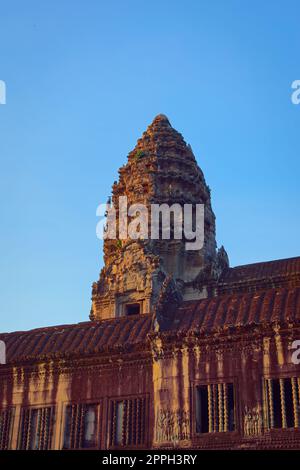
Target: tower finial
x,y
162,118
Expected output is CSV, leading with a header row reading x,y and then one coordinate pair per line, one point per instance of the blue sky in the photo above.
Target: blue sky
x,y
85,78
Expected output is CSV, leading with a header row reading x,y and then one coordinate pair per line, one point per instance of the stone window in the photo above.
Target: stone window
x,y
215,408
133,309
36,428
6,422
283,402
128,422
81,426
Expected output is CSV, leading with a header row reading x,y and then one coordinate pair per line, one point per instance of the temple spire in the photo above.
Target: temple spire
x,y
161,169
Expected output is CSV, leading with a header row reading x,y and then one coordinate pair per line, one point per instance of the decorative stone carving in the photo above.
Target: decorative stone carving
x,y
252,422
169,299
211,272
172,426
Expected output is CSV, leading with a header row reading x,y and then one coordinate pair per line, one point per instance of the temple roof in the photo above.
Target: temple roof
x,y
280,267
229,310
256,276
239,310
78,339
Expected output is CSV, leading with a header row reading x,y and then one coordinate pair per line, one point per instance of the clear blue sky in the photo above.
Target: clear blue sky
x,y
85,78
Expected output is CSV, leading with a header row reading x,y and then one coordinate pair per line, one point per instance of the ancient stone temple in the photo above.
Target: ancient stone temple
x,y
181,350
161,169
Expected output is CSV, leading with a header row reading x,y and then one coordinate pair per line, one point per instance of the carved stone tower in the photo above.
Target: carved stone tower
x,y
150,276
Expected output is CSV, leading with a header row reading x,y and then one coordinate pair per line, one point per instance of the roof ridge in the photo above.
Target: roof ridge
x,y
75,325
265,262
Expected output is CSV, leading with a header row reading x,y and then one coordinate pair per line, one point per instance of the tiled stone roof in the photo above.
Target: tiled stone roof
x,y
81,338
245,309
256,276
269,305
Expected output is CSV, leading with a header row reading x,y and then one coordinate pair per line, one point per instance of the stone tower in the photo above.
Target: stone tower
x,y
151,276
